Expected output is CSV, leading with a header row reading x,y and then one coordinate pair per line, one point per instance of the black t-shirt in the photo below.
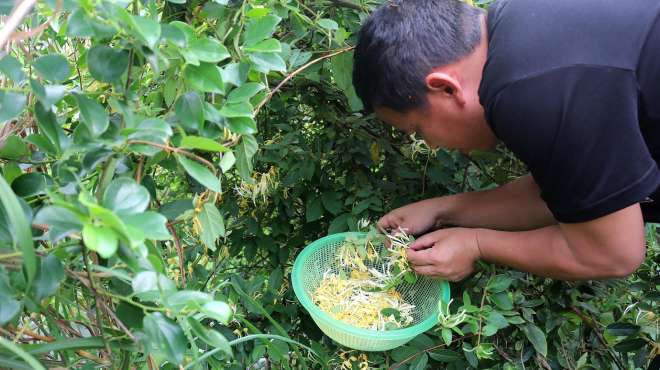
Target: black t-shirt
x,y
573,89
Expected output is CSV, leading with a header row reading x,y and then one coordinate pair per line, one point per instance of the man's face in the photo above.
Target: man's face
x,y
443,125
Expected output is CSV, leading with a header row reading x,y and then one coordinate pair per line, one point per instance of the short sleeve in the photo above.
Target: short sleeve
x,y
577,130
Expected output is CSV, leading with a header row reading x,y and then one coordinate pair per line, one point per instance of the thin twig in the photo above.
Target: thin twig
x,y
138,171
92,288
294,73
179,251
14,19
176,150
594,327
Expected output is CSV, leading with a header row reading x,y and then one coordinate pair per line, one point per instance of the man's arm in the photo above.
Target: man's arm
x,y
608,247
513,206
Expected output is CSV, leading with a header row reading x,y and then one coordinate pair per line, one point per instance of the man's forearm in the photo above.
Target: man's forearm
x,y
513,206
548,252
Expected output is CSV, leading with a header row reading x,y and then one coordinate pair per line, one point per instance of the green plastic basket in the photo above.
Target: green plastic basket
x,y
319,257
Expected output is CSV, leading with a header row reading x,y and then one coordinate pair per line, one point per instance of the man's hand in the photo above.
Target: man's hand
x,y
446,253
416,218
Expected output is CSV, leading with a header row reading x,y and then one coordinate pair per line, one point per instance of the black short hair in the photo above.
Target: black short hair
x,y
402,41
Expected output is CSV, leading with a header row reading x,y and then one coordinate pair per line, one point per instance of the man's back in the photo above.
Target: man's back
x,y
567,86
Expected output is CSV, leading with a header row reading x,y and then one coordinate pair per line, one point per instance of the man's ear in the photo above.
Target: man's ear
x,y
443,83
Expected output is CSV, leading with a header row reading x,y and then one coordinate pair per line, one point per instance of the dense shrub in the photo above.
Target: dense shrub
x,y
172,159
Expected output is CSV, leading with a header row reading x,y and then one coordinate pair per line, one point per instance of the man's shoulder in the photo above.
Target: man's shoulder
x,y
530,38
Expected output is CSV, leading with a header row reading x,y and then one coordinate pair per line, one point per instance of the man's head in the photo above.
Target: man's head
x,y
418,65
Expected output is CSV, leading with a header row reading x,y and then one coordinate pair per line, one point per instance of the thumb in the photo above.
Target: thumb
x,y
424,242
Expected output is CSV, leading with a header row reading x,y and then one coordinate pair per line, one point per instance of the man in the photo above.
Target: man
x,y
571,87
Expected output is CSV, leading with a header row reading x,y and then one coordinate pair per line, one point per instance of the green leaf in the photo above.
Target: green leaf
x,y
20,230
208,49
49,126
210,336
187,298
190,111
93,115
154,130
536,337
52,67
200,173
8,309
12,68
328,24
260,29
49,94
630,345
332,202
148,284
11,105
245,150
244,93
497,320
100,239
227,162
61,222
266,46
266,62
29,184
14,348
79,25
14,148
219,311
107,64
502,301
152,224
147,29
339,224
445,355
314,209
243,109
242,125
124,196
49,277
206,78
447,335
420,362
499,283
165,338
174,209
622,329
212,225
342,69
202,143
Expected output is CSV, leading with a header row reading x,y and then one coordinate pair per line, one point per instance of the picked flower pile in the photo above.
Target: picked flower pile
x,y
362,290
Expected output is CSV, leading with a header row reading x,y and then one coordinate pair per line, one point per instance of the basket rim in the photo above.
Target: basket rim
x,y
316,312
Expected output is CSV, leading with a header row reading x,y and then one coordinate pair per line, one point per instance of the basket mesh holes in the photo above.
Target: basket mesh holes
x,y
423,294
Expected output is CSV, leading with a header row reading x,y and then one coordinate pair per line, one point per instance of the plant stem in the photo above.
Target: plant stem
x,y
106,177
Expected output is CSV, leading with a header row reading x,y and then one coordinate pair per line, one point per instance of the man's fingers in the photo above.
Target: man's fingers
x,y
428,270
419,258
425,242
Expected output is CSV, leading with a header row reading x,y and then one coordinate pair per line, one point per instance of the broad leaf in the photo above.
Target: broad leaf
x,y
11,105
52,67
202,143
49,277
212,225
124,196
200,173
165,338
152,224
260,29
107,64
100,239
244,152
206,77
93,115
190,111
219,311
536,337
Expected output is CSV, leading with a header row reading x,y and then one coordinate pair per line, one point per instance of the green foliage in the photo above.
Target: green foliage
x,y
170,181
